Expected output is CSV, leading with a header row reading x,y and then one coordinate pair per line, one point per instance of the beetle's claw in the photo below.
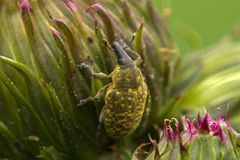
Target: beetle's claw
x,y
82,102
85,67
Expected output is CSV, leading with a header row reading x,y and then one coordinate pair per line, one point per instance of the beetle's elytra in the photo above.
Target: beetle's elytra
x,y
125,97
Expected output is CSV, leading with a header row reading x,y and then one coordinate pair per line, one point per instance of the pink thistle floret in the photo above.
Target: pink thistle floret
x,y
165,132
203,125
230,127
55,32
171,133
60,21
25,7
189,128
214,127
71,5
206,125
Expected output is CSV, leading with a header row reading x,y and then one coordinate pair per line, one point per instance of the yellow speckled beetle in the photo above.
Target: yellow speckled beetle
x,y
125,97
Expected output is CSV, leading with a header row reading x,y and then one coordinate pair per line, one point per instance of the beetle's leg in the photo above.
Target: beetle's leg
x,y
91,72
98,97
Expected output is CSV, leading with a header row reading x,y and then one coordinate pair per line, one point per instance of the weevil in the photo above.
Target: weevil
x,y
124,98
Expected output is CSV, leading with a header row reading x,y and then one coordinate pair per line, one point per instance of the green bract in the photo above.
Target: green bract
x,y
43,41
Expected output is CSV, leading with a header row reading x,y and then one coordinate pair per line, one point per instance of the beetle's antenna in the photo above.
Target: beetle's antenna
x,y
106,44
133,37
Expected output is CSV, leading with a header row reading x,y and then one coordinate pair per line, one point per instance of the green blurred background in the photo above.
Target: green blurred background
x,y
209,19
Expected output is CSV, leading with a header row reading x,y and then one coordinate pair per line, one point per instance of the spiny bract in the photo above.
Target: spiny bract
x,y
41,44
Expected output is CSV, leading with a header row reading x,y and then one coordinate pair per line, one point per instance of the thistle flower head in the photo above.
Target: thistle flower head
x,y
207,131
214,127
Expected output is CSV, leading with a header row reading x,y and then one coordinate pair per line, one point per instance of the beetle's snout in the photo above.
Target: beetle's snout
x,y
123,58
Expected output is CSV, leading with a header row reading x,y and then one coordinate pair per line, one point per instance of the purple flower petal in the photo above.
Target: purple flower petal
x,y
204,125
178,137
177,127
165,131
192,129
60,21
229,126
172,134
55,33
71,5
220,118
25,7
222,135
95,6
199,121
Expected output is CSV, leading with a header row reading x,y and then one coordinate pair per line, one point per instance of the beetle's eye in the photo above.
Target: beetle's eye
x,y
113,47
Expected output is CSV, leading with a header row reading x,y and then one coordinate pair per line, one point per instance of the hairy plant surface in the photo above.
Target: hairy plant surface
x,y
42,43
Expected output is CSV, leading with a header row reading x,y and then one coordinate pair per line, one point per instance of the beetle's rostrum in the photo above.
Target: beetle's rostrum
x,y
124,98
123,58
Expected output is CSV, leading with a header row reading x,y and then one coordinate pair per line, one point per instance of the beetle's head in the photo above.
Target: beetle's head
x,y
123,58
